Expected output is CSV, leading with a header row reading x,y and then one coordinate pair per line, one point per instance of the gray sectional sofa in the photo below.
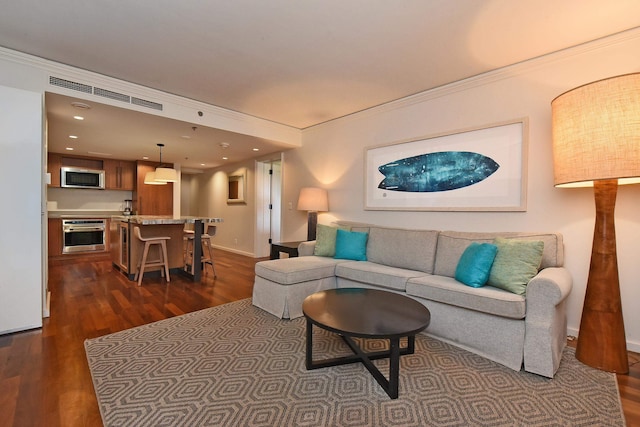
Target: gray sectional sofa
x,y
514,330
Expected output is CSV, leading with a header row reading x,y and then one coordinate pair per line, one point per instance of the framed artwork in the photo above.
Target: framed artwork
x,y
237,187
481,169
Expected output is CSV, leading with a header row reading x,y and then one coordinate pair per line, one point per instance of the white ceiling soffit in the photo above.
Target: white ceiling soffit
x,y
303,63
125,134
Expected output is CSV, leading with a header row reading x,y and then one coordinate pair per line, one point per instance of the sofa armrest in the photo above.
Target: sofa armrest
x,y
306,248
546,320
548,288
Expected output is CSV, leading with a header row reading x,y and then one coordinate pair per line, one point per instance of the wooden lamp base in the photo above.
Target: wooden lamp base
x,y
601,340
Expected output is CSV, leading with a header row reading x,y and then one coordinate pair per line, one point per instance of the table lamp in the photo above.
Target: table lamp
x,y
596,142
312,200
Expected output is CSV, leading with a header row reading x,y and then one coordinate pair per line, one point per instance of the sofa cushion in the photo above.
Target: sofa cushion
x,y
451,245
376,274
289,271
325,241
475,264
395,247
517,261
351,245
486,299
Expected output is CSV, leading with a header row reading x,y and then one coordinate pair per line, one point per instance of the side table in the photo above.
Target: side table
x,y
290,248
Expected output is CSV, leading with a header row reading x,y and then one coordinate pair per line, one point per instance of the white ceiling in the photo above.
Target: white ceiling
x,y
302,63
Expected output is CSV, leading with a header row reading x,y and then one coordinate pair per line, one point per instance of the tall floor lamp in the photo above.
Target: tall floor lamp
x,y
596,142
313,200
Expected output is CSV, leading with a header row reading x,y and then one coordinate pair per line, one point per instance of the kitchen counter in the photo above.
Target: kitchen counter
x,y
72,214
162,220
126,250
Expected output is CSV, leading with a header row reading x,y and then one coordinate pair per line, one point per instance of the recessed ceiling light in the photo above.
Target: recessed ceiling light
x,y
73,136
202,164
224,144
78,117
69,148
185,137
225,158
145,157
256,149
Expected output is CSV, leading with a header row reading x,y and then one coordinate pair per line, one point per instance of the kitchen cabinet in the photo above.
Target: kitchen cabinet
x,y
54,235
151,199
54,163
119,174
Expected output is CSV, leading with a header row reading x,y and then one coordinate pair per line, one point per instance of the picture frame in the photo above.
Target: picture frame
x,y
478,169
237,187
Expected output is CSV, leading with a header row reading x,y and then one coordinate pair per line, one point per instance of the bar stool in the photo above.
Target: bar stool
x,y
163,261
207,248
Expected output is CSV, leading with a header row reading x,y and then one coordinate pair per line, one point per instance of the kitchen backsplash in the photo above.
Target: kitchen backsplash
x,y
65,199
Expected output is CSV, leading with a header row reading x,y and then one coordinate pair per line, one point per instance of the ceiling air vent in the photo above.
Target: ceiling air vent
x,y
111,95
68,84
145,103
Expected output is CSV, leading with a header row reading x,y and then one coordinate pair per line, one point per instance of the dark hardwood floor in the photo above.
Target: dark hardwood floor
x,y
44,376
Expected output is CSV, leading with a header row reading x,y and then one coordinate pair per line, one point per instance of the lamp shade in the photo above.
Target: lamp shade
x,y
150,178
313,199
166,175
596,132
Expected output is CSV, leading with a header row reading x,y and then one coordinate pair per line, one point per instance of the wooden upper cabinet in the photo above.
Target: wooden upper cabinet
x,y
54,163
119,174
151,199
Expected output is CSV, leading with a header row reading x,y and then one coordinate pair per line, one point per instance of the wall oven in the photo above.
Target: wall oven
x,y
83,235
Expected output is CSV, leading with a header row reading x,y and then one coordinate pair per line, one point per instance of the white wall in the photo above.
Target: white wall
x,y
332,157
21,185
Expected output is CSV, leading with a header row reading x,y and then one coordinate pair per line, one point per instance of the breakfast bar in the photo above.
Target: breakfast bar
x,y
126,250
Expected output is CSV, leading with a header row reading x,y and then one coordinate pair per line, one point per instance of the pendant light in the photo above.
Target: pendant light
x,y
161,175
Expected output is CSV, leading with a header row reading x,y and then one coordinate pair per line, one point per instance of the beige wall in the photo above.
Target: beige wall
x,y
210,198
332,157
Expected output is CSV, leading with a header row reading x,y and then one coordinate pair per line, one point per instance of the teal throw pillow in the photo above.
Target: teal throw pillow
x,y
517,262
351,245
475,264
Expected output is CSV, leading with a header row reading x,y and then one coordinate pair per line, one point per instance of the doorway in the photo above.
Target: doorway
x,y
268,205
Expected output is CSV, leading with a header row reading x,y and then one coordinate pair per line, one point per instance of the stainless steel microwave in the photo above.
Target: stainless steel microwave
x,y
81,178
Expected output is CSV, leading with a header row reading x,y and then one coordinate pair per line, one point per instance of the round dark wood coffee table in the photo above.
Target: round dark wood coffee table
x,y
366,313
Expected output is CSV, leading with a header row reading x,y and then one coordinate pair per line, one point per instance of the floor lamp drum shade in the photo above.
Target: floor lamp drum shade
x,y
596,142
596,132
313,200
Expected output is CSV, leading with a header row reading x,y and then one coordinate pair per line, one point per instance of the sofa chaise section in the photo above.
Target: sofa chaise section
x,y
281,285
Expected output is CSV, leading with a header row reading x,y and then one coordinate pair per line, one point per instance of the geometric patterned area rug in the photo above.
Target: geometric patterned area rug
x,y
236,365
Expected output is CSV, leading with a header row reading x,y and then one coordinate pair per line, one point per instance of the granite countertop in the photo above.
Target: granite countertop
x,y
156,219
71,214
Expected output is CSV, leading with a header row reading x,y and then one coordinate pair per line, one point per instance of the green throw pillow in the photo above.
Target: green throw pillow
x,y
325,241
517,261
475,264
351,245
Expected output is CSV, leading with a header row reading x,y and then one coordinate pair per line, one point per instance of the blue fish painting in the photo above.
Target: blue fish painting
x,y
440,171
